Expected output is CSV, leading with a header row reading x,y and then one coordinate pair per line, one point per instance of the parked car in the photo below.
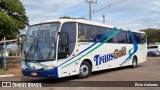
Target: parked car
x,y
153,50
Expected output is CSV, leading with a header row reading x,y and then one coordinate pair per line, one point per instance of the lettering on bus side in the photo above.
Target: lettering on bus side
x,y
108,57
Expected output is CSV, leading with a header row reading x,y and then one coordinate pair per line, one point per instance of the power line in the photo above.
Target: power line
x,y
116,3
109,5
80,5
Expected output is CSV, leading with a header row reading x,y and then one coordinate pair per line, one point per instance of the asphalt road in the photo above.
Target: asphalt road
x,y
148,71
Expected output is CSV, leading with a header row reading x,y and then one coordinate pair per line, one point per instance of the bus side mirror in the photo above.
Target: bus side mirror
x,y
64,39
64,45
21,38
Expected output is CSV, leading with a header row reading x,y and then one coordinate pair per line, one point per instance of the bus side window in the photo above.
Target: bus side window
x,y
137,37
115,38
142,38
90,33
81,32
111,39
99,33
129,41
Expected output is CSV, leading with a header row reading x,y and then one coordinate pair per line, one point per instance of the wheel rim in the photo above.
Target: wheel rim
x,y
134,63
84,70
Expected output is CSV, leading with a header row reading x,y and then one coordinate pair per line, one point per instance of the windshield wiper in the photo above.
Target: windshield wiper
x,y
28,53
34,47
49,54
52,47
38,51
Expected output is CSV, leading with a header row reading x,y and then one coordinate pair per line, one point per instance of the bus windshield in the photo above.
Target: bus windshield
x,y
40,42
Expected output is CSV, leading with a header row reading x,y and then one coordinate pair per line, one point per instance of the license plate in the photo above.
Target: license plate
x,y
33,74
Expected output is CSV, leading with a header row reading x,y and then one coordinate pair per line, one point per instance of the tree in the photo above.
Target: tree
x,y
68,17
153,35
65,17
12,18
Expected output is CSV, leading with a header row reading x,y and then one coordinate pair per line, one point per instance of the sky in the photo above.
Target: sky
x,y
128,14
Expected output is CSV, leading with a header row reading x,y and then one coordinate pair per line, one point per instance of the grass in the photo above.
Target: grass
x,y
2,72
10,65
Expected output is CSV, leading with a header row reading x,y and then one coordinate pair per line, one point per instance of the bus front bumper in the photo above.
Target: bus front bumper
x,y
41,73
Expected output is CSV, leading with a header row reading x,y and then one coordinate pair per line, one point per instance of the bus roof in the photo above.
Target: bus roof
x,y
85,22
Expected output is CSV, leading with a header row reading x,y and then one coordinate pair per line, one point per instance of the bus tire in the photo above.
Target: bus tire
x,y
134,62
84,70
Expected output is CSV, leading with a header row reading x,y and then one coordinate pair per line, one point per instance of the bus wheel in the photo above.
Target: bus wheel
x,y
84,70
134,62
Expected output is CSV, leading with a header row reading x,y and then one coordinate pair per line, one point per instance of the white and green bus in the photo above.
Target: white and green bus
x,y
67,47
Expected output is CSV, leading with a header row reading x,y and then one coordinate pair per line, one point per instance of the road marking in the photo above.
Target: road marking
x,y
8,75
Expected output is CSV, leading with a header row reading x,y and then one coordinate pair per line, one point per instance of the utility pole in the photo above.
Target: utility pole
x,y
4,50
104,18
90,8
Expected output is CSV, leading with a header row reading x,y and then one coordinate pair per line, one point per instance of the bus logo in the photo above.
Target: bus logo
x,y
108,57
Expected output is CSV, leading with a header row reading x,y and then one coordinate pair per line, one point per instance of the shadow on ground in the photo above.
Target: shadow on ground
x,y
70,78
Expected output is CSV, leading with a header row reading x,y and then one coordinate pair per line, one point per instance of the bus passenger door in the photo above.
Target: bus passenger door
x,y
67,41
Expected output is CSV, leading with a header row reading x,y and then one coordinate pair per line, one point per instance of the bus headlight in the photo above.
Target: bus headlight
x,y
50,67
24,67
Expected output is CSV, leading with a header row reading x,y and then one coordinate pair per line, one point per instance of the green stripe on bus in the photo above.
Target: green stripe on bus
x,y
129,52
96,47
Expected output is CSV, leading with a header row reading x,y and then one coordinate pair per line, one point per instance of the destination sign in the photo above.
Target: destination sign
x,y
41,27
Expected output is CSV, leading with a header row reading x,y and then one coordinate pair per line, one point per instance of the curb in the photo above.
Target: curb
x,y
8,75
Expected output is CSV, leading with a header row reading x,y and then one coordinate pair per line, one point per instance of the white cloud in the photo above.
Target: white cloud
x,y
39,10
130,14
135,14
155,7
